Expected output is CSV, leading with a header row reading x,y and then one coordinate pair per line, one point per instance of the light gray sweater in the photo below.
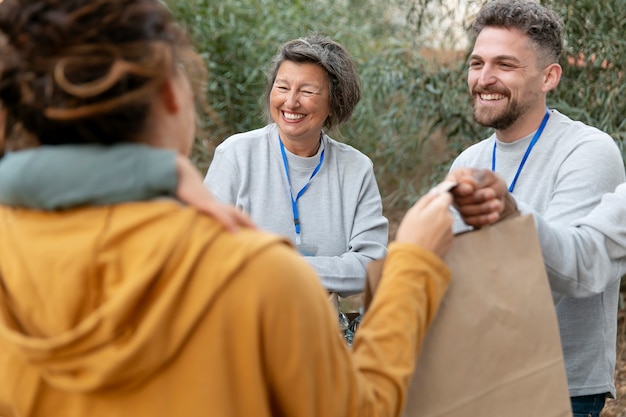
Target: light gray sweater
x,y
342,225
589,255
570,168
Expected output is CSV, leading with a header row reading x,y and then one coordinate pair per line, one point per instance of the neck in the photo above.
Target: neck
x,y
302,148
523,126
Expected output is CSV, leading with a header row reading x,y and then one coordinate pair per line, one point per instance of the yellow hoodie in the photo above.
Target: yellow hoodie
x,y
151,309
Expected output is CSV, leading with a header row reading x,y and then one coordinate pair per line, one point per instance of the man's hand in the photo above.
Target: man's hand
x,y
481,196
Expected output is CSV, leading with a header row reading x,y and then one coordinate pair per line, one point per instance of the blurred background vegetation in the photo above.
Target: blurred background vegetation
x,y
415,113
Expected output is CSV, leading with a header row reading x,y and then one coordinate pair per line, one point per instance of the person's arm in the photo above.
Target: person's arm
x,y
373,377
582,258
369,233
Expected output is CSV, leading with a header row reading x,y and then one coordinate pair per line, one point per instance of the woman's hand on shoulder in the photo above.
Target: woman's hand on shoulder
x,y
191,190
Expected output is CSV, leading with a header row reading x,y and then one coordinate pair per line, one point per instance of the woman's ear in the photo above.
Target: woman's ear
x,y
168,94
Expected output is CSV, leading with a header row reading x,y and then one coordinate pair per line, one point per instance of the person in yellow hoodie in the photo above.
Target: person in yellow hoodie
x,y
151,308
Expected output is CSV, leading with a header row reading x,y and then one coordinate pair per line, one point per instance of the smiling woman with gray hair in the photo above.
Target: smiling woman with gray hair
x,y
295,180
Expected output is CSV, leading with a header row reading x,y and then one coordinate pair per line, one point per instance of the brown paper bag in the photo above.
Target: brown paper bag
x,y
493,349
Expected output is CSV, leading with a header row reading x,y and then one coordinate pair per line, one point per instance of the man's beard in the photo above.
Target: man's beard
x,y
498,120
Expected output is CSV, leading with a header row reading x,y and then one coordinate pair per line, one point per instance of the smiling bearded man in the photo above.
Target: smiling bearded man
x,y
555,167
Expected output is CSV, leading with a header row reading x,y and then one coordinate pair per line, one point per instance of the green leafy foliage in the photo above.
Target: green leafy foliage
x,y
593,85
415,114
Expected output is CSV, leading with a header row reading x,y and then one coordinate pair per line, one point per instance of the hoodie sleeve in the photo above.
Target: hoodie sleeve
x,y
316,374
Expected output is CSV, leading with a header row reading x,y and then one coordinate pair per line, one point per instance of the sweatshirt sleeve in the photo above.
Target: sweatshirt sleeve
x,y
223,176
316,374
78,175
587,255
369,232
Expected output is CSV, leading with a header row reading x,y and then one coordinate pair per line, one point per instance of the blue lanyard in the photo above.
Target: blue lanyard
x,y
530,148
294,201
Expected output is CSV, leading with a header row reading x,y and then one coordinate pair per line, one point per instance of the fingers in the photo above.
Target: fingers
x,y
481,211
428,223
441,201
425,200
467,179
192,191
242,219
480,197
224,217
230,217
481,219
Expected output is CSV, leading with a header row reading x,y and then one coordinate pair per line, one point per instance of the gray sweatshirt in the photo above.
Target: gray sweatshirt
x,y
568,171
342,225
598,242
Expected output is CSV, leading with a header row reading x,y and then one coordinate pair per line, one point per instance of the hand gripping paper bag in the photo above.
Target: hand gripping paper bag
x,y
493,349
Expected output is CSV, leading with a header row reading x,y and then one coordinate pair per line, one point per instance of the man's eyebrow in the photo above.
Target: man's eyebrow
x,y
497,58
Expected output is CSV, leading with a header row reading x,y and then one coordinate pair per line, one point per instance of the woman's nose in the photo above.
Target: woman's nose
x,y
291,100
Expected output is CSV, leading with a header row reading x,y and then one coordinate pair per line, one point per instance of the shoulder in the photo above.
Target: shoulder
x,y
480,145
257,263
578,132
256,138
478,150
346,154
265,263
191,234
581,146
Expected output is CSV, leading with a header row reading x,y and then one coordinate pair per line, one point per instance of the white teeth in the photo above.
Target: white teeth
x,y
293,116
489,97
